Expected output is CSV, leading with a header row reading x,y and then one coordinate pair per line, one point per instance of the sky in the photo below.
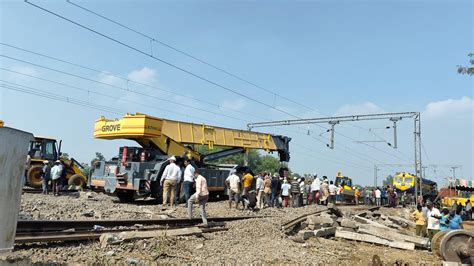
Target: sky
x,y
327,57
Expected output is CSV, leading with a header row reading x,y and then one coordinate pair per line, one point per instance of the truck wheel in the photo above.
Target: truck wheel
x,y
126,195
34,176
76,180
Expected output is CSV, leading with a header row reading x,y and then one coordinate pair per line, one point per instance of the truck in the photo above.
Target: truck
x,y
136,171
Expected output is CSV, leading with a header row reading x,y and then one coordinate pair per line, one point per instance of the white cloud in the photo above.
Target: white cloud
x,y
111,80
359,109
24,70
144,75
238,104
449,107
11,76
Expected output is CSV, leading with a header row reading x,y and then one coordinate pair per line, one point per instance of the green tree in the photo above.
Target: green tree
x,y
65,155
267,163
467,69
388,180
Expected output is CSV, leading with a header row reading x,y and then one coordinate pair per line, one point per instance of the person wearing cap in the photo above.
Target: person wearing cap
x,y
55,176
200,197
433,220
46,175
171,176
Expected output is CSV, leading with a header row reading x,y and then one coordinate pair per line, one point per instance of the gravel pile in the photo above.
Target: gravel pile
x,y
258,240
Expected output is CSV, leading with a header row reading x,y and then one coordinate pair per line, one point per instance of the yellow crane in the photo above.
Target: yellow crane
x,y
137,170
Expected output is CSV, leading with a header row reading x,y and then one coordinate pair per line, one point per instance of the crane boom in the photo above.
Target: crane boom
x,y
170,137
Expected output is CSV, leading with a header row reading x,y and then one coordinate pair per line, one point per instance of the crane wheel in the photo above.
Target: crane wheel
x,y
76,180
34,176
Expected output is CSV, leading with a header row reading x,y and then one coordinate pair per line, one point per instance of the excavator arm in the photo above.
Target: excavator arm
x,y
171,137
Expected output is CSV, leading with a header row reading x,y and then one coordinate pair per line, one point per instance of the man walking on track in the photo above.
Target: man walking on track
x,y
201,196
169,179
188,180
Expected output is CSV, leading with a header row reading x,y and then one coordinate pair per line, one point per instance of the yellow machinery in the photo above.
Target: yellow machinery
x,y
1,123
45,148
169,136
137,170
346,183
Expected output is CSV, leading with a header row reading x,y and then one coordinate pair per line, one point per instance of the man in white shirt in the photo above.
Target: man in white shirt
x,y
433,215
332,192
259,189
315,188
233,185
188,179
378,196
171,176
55,175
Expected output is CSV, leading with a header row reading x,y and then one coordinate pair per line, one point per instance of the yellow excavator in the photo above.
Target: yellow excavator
x,y
47,149
136,172
347,186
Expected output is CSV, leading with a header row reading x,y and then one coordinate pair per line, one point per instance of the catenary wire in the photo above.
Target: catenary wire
x,y
170,64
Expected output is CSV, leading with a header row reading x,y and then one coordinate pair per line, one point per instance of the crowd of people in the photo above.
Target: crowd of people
x,y
430,220
280,190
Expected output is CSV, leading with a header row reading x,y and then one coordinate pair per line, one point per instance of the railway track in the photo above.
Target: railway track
x,y
40,231
83,225
83,235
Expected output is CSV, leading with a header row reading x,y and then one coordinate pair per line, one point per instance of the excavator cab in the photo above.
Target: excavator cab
x,y
43,148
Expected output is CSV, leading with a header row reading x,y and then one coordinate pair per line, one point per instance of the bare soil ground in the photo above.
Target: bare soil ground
x,y
252,241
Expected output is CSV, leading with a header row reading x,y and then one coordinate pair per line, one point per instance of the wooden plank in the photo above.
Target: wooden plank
x,y
392,235
374,240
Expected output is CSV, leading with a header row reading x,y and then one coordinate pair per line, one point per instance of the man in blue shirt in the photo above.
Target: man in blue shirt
x,y
455,221
444,220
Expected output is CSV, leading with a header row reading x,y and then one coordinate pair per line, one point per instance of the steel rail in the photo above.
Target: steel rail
x,y
60,225
45,237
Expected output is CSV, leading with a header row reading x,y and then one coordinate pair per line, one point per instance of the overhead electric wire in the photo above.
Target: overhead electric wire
x,y
60,98
161,60
98,93
153,39
41,93
164,61
126,79
121,88
194,57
